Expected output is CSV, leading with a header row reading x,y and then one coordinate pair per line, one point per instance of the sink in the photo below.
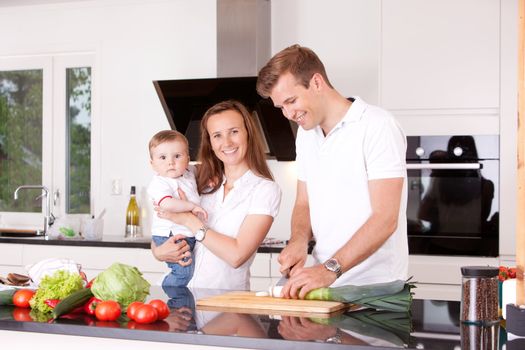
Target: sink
x,y
20,233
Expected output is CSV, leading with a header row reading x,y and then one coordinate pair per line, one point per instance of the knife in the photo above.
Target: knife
x,y
275,291
282,281
285,275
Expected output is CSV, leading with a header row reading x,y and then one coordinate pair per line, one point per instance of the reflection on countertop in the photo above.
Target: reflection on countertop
x,y
430,325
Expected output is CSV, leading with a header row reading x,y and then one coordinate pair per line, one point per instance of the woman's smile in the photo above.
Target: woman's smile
x,y
228,137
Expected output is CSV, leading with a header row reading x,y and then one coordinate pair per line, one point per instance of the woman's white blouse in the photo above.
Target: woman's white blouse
x,y
250,194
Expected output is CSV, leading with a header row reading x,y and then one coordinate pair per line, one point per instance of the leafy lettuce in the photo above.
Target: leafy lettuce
x,y
56,286
121,283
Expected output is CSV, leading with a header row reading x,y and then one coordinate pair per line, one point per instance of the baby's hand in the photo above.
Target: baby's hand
x,y
201,213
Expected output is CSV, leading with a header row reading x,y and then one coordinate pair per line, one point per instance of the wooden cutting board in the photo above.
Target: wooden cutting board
x,y
247,301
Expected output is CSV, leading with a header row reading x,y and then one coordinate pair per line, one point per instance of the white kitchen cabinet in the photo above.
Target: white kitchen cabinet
x,y
440,55
11,259
15,258
439,277
260,272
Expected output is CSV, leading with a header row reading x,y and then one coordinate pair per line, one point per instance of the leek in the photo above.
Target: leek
x,y
394,327
392,296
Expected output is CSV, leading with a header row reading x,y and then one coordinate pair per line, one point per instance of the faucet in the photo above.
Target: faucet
x,y
49,218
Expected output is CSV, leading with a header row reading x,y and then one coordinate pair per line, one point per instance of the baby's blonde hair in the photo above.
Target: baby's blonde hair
x,y
166,136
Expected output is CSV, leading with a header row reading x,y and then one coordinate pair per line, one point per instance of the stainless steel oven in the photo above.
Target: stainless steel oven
x,y
453,195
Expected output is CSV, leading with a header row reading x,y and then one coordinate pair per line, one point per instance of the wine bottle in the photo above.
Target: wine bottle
x,y
133,217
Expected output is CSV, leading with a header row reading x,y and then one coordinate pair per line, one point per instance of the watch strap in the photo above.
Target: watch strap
x,y
201,232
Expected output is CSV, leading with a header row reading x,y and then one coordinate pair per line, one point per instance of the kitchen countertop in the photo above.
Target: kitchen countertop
x,y
116,242
434,324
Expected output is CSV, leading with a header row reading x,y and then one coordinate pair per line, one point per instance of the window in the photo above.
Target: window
x,y
45,136
20,136
78,119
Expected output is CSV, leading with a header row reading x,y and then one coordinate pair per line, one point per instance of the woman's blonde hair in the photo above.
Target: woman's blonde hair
x,y
211,169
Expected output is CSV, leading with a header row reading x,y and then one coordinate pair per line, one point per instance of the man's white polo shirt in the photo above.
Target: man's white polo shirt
x,y
367,144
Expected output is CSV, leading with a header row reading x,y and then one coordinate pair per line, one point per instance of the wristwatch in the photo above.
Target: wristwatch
x,y
333,265
201,233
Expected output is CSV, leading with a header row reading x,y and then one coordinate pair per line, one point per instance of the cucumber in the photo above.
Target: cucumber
x,y
6,296
72,301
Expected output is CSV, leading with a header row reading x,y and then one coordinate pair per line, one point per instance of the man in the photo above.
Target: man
x,y
351,188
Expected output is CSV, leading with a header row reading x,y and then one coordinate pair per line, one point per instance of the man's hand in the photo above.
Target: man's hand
x,y
305,279
293,257
301,328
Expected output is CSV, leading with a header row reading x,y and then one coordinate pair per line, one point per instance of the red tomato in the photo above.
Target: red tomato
x,y
163,310
108,310
146,314
22,296
132,309
155,326
108,324
162,326
22,314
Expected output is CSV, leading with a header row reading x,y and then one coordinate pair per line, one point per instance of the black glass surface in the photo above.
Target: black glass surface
x,y
430,325
453,196
186,101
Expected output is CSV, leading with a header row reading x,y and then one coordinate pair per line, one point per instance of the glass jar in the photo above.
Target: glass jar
x,y
479,295
476,337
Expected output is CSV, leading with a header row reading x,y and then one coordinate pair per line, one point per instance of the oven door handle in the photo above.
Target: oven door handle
x,y
444,166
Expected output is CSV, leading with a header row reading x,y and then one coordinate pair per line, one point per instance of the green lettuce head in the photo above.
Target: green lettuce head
x,y
121,283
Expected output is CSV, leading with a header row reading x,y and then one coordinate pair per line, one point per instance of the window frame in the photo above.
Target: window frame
x,y
54,129
61,64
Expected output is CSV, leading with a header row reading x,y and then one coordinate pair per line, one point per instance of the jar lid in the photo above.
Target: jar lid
x,y
479,271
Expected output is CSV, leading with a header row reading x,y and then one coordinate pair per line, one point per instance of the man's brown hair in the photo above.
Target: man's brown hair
x,y
300,61
166,136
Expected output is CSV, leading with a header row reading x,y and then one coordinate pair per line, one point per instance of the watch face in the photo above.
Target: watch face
x,y
199,235
334,266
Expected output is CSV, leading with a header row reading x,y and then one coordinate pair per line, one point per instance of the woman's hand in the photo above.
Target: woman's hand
x,y
179,319
172,251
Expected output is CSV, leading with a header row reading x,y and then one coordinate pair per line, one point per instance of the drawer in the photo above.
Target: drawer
x,y
443,269
261,265
99,258
10,254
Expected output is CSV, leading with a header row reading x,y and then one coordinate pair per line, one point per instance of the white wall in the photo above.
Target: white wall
x,y
344,34
134,42
346,37
137,41
350,37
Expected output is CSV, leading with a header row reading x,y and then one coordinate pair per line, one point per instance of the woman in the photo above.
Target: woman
x,y
239,194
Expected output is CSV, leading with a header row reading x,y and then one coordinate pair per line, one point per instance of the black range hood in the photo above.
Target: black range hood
x,y
185,101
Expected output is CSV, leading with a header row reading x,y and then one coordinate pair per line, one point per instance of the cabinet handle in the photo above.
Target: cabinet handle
x,y
444,166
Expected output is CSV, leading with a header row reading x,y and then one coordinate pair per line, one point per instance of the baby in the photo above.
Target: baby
x,y
169,157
